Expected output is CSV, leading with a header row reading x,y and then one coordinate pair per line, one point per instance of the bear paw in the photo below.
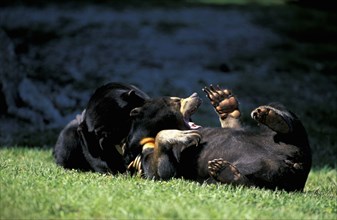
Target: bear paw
x,y
225,172
224,103
184,139
272,118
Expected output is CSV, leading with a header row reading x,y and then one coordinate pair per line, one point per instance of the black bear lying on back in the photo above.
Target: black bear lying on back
x,y
277,156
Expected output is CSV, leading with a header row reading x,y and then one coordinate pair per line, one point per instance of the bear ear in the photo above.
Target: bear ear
x,y
136,112
132,97
127,95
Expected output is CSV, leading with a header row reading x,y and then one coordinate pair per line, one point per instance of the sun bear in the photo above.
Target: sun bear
x,y
94,140
274,156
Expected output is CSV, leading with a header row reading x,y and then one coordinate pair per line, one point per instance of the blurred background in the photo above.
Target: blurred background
x,y
53,54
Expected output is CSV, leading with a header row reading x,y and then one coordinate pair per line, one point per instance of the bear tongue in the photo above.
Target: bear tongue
x,y
193,126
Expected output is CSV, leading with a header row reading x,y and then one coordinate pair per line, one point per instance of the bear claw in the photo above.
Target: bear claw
x,y
224,103
223,171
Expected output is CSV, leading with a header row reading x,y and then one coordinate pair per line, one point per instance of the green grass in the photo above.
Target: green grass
x,y
32,186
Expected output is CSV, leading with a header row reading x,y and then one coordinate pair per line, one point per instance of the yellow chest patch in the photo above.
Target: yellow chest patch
x,y
147,142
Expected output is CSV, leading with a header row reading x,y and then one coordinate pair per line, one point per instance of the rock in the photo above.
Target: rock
x,y
22,99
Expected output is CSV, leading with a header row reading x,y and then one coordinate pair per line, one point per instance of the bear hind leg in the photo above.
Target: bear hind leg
x,y
273,118
224,172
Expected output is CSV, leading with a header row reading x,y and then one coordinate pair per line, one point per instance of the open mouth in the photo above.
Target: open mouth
x,y
193,126
188,107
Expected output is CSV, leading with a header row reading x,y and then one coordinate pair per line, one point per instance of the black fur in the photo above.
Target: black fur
x,y
174,113
245,156
90,141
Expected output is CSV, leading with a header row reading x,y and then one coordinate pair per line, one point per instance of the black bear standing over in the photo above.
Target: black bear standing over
x,y
276,156
95,139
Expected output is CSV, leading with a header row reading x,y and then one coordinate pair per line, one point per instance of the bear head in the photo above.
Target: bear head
x,y
108,110
157,115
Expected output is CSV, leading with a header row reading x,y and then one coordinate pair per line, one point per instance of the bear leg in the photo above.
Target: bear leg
x,y
225,172
272,118
164,156
176,141
225,105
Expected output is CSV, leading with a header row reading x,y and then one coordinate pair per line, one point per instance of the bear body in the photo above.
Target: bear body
x,y
257,155
94,140
274,156
68,150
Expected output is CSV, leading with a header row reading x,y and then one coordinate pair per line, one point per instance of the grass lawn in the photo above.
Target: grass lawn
x,y
32,186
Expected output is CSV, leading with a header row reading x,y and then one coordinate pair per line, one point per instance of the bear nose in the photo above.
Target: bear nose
x,y
194,95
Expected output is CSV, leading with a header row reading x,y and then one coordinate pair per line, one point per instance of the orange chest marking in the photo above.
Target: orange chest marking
x,y
147,142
